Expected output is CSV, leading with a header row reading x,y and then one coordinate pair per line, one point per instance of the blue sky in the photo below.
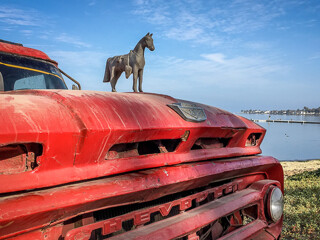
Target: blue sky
x,y
236,54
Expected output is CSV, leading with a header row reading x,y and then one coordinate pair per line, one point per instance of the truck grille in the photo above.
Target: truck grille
x,y
117,220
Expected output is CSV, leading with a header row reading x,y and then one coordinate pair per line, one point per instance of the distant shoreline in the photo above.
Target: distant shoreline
x,y
302,160
308,112
295,114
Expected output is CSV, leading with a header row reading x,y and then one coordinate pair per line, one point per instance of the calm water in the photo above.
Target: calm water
x,y
290,141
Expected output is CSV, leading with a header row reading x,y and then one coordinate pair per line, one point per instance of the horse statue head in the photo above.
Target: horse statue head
x,y
148,41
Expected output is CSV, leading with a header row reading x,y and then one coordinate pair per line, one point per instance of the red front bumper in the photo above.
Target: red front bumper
x,y
68,212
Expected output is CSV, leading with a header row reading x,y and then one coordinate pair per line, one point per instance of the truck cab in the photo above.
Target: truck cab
x,y
78,164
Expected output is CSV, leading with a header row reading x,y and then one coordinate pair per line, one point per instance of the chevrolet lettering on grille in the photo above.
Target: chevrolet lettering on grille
x,y
141,217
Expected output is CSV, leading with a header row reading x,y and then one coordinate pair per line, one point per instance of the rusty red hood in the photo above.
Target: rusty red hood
x,y
79,135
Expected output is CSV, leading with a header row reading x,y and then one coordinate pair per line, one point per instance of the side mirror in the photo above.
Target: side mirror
x,y
74,87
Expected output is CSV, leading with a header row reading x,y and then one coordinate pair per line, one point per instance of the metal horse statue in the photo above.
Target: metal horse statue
x,y
133,62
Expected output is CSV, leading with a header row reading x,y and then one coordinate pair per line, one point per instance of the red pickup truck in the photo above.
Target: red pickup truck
x,y
80,164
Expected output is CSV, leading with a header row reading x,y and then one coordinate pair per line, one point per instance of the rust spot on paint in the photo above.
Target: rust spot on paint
x,y
185,136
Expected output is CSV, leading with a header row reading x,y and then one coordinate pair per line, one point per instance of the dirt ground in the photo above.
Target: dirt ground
x,y
292,167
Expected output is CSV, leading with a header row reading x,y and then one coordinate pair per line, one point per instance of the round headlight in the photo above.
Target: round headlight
x,y
275,204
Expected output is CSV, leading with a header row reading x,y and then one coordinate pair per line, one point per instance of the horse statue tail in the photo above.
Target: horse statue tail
x,y
107,72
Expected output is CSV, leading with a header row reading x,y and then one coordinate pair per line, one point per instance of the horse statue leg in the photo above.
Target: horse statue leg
x,y
114,79
135,78
140,79
107,71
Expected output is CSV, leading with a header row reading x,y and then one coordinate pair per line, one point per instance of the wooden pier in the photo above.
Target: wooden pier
x,y
285,121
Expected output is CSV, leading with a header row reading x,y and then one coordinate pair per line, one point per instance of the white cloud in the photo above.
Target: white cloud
x,y
217,69
159,16
184,34
258,45
72,40
27,32
211,22
16,16
141,2
204,21
215,57
92,3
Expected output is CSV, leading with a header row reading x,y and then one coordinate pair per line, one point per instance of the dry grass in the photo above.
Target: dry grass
x,y
292,168
302,200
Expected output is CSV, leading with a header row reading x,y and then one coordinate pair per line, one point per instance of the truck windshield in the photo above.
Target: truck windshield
x,y
25,73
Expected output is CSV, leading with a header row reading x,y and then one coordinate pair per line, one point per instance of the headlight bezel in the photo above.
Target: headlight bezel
x,y
275,203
